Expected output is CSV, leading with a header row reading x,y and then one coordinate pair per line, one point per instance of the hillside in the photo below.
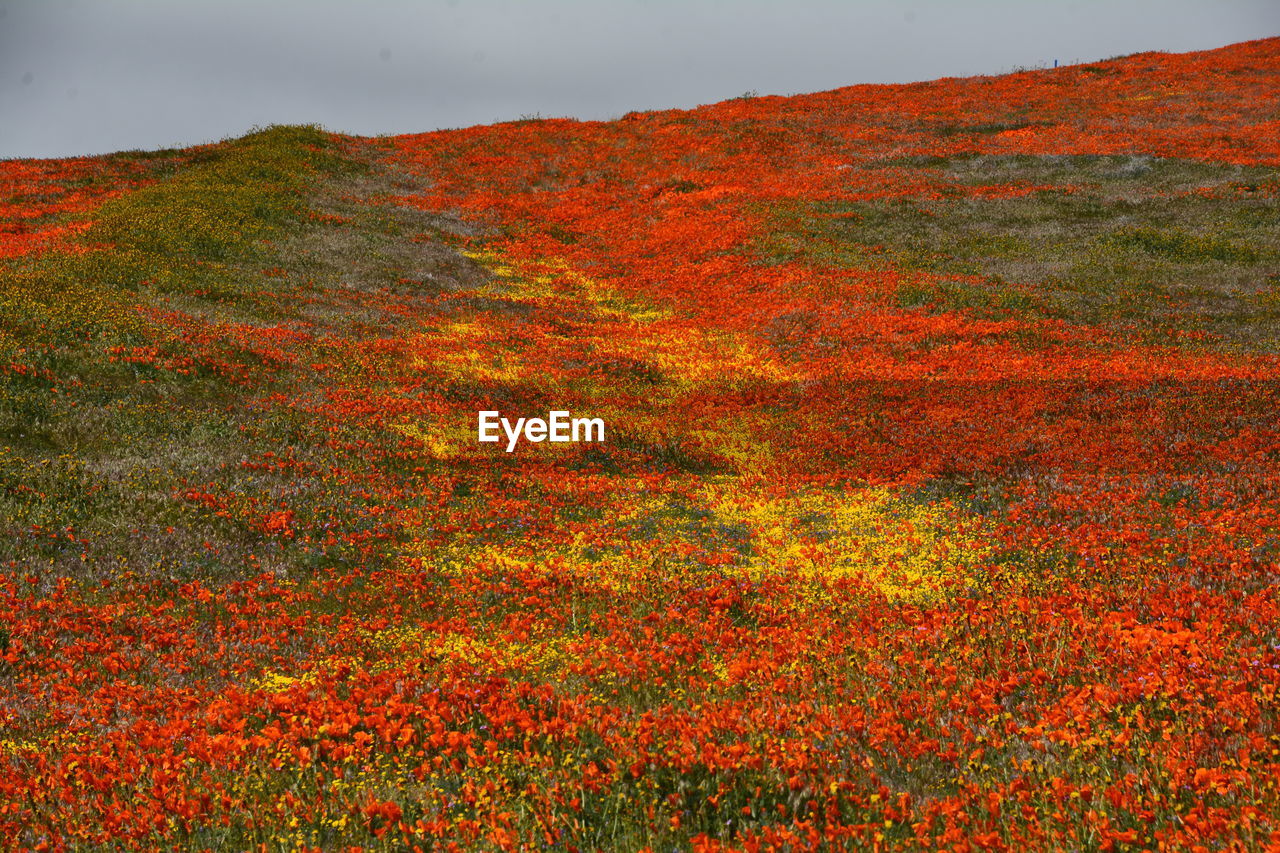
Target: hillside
x,y
937,503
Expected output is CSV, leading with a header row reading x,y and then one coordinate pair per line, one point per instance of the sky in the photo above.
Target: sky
x,y
94,76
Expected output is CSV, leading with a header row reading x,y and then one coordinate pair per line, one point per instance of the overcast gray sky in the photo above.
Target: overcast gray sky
x,y
91,76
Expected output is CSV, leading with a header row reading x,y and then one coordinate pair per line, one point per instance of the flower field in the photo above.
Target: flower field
x,y
939,505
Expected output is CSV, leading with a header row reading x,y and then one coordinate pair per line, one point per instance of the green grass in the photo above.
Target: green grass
x,y
1155,244
91,477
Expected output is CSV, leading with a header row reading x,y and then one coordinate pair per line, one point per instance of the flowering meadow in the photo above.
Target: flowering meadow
x,y
938,506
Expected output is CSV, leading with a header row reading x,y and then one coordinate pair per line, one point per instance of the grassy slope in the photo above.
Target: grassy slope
x,y
263,588
1168,246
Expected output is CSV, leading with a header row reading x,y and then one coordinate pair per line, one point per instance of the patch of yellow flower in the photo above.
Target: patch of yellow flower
x,y
474,353
906,550
442,441
275,682
545,655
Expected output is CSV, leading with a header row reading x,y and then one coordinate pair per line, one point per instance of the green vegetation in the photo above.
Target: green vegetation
x,y
1161,245
97,392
